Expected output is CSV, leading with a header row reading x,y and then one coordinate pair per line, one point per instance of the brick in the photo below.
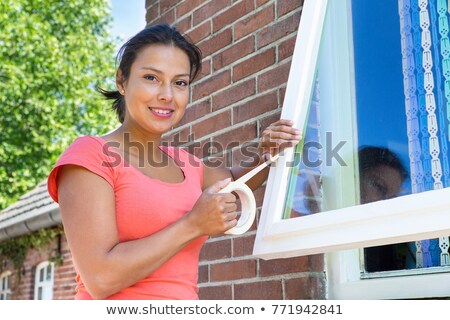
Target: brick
x,y
216,158
281,95
274,78
205,69
244,155
184,25
254,64
280,29
210,85
305,288
208,10
286,6
200,32
317,263
213,124
187,6
167,17
235,52
259,196
216,42
237,135
216,250
265,122
259,3
233,94
165,5
262,290
283,266
64,284
254,22
243,246
223,292
232,14
197,147
286,48
203,273
177,138
196,111
255,107
233,270
152,13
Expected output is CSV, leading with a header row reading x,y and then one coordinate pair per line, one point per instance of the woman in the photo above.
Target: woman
x,y
136,214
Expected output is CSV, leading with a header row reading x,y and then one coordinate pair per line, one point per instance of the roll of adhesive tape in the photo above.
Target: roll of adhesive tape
x,y
248,206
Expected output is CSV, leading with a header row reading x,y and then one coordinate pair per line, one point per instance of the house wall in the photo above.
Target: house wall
x,y
247,47
23,280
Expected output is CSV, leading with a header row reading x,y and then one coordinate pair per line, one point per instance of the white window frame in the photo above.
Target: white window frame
x,y
46,284
402,219
4,292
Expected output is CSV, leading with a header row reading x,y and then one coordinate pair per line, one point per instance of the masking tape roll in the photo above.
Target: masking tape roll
x,y
248,206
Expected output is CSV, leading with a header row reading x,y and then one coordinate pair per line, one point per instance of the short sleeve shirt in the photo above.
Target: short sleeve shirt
x,y
143,206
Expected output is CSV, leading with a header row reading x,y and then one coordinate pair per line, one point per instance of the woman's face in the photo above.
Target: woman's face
x,y
380,183
157,90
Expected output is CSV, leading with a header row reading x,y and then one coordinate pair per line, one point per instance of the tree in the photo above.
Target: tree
x,y
53,54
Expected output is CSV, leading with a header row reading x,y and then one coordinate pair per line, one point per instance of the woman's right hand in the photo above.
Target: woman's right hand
x,y
214,212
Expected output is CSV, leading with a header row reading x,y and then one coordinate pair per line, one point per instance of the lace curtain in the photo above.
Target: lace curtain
x,y
424,28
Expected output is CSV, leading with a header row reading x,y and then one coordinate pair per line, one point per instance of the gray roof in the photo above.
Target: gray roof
x,y
34,210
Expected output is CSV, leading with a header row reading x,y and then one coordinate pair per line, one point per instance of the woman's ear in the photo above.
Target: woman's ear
x,y
120,81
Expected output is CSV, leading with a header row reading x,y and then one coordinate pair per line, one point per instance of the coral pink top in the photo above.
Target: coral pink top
x,y
143,207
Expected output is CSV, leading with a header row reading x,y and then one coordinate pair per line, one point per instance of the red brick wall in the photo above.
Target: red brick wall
x,y
247,47
64,277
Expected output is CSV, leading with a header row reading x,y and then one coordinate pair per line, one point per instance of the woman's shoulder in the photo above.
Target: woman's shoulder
x,y
88,152
87,142
88,147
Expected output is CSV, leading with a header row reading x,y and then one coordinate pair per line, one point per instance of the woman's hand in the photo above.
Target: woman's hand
x,y
277,137
214,213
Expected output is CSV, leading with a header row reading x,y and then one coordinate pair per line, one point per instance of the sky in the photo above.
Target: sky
x,y
128,17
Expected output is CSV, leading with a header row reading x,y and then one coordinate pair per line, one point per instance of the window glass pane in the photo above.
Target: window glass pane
x,y
39,296
304,192
402,114
41,275
402,91
49,273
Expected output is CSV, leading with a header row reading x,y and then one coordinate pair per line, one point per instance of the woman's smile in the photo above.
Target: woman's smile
x,y
161,112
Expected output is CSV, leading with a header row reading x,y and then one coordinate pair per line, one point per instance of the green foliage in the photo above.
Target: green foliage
x,y
16,249
53,53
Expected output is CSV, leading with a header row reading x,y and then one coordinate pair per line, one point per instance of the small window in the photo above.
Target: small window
x,y
5,286
44,281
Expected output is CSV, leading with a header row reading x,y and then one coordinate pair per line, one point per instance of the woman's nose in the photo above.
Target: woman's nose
x,y
165,93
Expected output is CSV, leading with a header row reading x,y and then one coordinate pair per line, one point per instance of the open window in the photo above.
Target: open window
x,y
370,86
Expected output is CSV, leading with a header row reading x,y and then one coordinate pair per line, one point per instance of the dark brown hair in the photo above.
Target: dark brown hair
x,y
157,34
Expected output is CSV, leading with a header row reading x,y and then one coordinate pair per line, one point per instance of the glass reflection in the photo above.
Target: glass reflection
x,y
402,97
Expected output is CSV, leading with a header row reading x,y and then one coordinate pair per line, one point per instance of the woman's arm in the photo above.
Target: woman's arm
x,y
87,205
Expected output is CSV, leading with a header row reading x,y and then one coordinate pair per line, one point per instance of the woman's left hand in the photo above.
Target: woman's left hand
x,y
278,136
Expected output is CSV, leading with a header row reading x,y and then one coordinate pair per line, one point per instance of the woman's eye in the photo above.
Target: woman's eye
x,y
150,77
181,83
